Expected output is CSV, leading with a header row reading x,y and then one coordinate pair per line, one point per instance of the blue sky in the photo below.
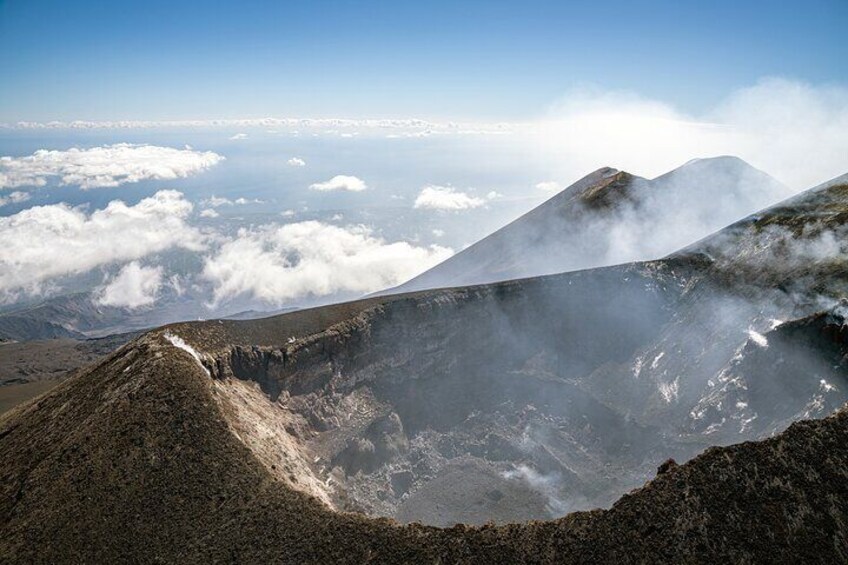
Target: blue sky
x,y
101,60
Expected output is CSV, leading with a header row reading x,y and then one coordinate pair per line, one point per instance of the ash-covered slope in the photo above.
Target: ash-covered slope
x,y
504,402
610,217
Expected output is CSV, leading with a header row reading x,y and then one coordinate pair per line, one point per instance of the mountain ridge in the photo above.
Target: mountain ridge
x,y
579,227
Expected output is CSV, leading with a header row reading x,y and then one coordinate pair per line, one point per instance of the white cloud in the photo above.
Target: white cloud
x,y
438,233
215,201
795,131
446,198
296,162
218,201
106,166
288,213
279,263
549,186
133,287
45,242
14,198
238,136
340,182
209,213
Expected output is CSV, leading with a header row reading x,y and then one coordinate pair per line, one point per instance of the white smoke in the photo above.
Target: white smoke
x,y
796,131
547,485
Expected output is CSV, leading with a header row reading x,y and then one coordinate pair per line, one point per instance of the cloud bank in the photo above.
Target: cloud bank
x,y
14,198
279,263
345,127
446,198
45,242
340,182
106,166
218,201
133,287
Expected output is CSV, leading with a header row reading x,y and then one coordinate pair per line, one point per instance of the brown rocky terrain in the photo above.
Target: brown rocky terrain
x,y
30,368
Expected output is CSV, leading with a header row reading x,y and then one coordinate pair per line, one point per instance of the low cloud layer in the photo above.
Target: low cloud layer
x,y
133,287
218,201
280,263
446,198
106,166
14,198
336,127
340,182
46,242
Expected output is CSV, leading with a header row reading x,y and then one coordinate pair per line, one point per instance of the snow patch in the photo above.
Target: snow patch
x,y
758,338
179,343
826,386
637,365
713,428
747,422
670,390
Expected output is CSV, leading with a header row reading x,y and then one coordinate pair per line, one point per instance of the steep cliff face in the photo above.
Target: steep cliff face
x,y
468,394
